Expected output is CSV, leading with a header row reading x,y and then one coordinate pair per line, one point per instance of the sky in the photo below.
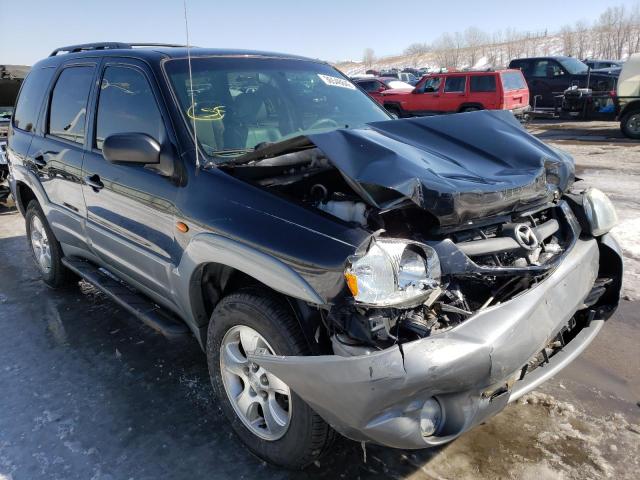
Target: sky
x,y
327,29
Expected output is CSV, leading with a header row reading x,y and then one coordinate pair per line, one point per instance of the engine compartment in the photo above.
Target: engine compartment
x,y
484,262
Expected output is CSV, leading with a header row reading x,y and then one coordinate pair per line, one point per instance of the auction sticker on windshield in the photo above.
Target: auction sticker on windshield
x,y
336,82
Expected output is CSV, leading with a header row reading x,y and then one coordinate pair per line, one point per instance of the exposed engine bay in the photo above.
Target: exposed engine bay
x,y
497,224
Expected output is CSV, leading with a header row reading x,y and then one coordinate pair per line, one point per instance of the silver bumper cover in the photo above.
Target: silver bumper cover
x,y
378,397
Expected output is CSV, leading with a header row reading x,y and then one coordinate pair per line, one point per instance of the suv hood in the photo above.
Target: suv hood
x,y
457,167
397,91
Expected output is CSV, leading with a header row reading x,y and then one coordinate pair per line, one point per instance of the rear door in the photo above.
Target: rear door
x,y
514,90
130,207
454,94
57,155
483,91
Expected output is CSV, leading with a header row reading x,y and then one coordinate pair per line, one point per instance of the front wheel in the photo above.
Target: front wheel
x,y
630,124
45,249
272,421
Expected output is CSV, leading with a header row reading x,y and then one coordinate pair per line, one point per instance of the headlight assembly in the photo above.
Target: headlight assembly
x,y
599,211
393,272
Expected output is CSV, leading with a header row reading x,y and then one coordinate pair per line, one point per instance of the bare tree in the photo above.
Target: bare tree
x,y
633,38
416,51
566,33
474,40
368,57
582,39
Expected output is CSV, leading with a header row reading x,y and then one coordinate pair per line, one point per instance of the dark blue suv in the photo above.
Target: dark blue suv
x,y
397,281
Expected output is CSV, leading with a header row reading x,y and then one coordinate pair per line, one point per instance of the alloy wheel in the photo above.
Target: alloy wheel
x,y
260,399
40,244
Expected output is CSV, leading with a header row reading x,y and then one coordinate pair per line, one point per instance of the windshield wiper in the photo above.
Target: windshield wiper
x,y
267,150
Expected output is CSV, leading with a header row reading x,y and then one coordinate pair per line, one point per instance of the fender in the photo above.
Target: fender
x,y
211,248
22,174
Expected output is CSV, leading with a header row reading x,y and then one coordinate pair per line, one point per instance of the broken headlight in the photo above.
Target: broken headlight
x,y
393,272
599,211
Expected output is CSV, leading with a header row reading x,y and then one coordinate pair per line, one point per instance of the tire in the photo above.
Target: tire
x,y
307,437
470,109
394,110
630,124
41,240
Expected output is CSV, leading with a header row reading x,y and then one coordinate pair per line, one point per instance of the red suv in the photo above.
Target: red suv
x,y
461,92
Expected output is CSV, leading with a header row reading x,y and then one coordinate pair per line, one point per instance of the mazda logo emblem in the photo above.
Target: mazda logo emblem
x,y
525,237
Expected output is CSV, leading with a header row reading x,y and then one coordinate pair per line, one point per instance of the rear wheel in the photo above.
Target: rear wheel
x,y
630,124
470,109
45,248
272,421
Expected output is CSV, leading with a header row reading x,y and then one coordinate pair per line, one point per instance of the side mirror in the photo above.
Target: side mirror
x,y
131,148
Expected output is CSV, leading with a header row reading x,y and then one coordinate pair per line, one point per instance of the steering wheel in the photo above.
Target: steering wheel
x,y
324,123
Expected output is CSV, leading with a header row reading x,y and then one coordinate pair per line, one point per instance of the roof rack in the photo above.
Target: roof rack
x,y
107,46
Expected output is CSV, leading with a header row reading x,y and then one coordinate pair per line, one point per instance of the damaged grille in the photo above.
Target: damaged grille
x,y
532,238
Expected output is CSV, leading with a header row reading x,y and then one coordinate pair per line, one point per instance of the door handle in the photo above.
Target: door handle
x,y
40,161
94,182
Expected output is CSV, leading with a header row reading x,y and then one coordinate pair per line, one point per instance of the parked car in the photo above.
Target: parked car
x,y
549,77
595,64
409,78
461,92
374,86
399,281
628,97
11,77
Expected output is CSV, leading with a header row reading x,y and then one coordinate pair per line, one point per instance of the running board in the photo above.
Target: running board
x,y
135,303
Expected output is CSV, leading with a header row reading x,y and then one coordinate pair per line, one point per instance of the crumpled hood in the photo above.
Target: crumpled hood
x,y
458,167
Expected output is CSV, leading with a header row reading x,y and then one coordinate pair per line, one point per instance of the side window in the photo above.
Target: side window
x,y
126,105
483,83
368,86
455,84
69,103
30,99
432,85
540,68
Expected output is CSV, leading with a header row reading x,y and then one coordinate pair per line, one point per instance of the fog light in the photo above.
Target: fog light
x,y
430,417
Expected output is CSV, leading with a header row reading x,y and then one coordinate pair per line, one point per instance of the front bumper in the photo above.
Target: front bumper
x,y
521,111
378,397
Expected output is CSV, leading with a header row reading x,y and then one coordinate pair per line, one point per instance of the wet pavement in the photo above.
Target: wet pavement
x,y
87,392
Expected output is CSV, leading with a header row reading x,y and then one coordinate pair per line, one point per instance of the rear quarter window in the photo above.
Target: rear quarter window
x,y
513,81
30,99
483,83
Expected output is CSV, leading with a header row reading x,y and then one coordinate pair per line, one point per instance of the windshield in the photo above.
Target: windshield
x,y
240,103
5,113
574,66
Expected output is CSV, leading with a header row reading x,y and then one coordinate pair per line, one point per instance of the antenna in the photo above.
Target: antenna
x,y
195,133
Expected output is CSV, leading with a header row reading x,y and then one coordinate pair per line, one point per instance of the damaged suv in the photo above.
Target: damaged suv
x,y
396,281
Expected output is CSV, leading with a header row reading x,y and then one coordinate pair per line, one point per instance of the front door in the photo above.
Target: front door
x,y
548,79
428,98
130,207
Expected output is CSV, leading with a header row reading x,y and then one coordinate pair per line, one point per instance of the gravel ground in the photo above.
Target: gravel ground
x,y
86,392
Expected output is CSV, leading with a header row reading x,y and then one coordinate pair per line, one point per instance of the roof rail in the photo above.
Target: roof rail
x,y
107,46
